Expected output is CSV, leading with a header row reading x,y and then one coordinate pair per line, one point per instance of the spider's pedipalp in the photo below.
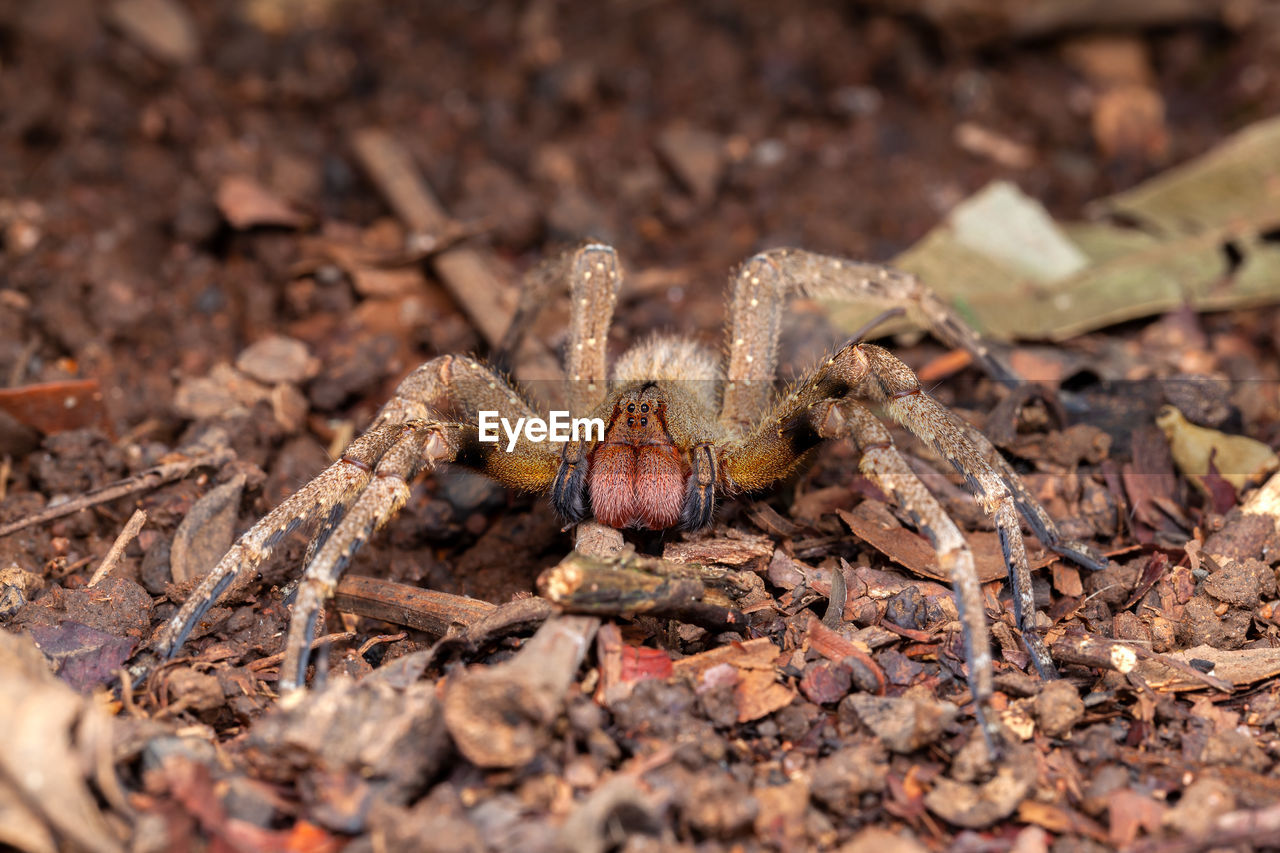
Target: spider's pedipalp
x,y
883,465
700,490
328,492
420,445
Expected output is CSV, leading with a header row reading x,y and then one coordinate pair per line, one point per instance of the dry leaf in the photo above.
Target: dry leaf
x,y
246,203
1238,459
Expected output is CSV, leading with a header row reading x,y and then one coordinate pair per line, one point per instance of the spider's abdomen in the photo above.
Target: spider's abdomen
x,y
636,478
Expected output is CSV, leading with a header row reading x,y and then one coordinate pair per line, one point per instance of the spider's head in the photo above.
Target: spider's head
x,y
637,476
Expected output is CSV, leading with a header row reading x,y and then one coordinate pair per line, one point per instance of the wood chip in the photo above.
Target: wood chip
x,y
245,203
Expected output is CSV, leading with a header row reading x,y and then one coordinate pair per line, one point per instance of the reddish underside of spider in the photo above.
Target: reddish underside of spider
x,y
637,479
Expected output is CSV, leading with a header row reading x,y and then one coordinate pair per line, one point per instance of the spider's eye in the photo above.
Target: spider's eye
x,y
631,422
631,407
644,407
644,421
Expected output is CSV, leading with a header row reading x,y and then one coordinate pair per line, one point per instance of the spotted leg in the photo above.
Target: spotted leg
x,y
327,493
420,445
883,465
761,288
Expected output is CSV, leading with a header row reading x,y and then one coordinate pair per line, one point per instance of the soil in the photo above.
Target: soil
x,y
206,291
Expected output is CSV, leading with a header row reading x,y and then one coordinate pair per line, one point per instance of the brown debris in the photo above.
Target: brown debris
x,y
199,243
206,532
246,203
276,359
978,805
904,723
161,27
54,407
498,716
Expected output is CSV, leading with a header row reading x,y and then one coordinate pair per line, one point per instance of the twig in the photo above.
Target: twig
x,y
273,660
1101,653
463,270
626,584
379,640
127,535
411,606
140,482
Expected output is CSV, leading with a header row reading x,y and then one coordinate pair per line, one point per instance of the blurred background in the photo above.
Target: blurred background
x,y
179,179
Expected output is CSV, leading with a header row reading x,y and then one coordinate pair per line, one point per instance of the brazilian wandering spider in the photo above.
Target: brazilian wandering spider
x,y
685,429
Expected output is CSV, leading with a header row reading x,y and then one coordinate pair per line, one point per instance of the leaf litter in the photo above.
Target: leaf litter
x,y
804,687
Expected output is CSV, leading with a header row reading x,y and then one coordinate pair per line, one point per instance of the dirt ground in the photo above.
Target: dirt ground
x,y
211,277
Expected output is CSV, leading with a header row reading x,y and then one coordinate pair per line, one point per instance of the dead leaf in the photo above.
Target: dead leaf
x,y
1032,285
83,657
206,532
246,203
162,28
47,733
1197,451
914,552
53,407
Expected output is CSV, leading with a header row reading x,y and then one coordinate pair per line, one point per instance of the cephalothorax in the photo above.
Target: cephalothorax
x,y
684,428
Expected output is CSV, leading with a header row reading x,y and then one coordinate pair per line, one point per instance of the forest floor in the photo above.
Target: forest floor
x,y
216,267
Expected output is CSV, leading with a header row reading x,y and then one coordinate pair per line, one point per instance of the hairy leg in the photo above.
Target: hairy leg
x,y
758,298
449,384
420,445
593,275
883,465
893,383
864,371
329,492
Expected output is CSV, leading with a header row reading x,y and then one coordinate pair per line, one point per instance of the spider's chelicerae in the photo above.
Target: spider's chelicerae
x,y
685,430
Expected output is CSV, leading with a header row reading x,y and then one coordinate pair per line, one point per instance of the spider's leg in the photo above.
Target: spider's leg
x,y
461,388
757,299
328,492
889,380
863,371
761,287
419,445
447,383
1045,528
883,465
593,276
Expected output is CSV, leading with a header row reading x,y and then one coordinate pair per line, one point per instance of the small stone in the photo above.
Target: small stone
x,y
873,839
197,691
1234,748
162,28
904,723
1202,803
276,359
289,407
840,779
17,587
697,158
1234,583
1058,708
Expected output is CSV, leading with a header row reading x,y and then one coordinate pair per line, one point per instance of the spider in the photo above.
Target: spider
x,y
684,430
